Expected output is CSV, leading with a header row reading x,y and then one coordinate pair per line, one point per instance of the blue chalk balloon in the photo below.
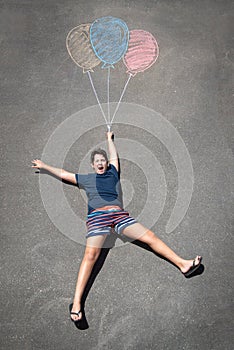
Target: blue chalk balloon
x,y
109,39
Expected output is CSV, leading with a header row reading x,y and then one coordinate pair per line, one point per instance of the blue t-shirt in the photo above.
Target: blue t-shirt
x,y
101,189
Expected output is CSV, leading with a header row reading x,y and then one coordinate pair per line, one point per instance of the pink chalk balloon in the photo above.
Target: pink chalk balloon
x,y
142,51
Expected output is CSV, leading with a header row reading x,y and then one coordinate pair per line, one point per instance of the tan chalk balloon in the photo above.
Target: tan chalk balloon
x,y
80,49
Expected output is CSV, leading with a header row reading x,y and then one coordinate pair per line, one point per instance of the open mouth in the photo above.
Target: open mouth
x,y
100,167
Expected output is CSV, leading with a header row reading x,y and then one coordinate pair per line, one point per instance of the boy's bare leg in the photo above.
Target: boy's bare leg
x,y
139,232
92,252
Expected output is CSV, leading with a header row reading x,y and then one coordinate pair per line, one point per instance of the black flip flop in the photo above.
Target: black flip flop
x,y
74,313
193,268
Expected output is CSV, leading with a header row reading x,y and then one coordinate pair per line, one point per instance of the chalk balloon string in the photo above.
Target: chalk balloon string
x,y
110,120
118,104
108,98
95,93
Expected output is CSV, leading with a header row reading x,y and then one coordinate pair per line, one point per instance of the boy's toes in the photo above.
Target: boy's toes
x,y
75,317
197,260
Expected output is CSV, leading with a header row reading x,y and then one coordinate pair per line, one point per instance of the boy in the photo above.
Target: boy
x,y
105,212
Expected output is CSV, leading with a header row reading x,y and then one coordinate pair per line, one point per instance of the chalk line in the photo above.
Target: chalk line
x,y
108,95
95,93
124,89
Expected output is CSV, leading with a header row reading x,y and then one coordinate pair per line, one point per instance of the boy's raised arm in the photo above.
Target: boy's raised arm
x,y
60,173
113,155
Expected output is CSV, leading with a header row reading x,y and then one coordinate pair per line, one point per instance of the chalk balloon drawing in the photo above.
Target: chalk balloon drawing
x,y
142,51
109,39
80,49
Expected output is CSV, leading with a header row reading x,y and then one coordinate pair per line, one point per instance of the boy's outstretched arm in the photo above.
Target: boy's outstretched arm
x,y
113,155
60,173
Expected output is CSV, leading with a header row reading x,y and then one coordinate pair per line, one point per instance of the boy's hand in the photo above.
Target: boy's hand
x,y
110,135
37,163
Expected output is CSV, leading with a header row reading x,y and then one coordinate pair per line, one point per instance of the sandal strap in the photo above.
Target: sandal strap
x,y
75,313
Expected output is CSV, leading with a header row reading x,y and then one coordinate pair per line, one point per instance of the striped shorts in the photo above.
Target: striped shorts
x,y
102,222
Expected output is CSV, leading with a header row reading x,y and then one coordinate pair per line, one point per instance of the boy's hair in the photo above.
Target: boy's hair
x,y
98,151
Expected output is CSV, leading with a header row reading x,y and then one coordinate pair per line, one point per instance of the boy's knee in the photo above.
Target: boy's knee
x,y
92,254
148,237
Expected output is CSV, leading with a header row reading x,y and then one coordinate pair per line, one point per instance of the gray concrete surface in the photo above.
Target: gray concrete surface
x,y
137,300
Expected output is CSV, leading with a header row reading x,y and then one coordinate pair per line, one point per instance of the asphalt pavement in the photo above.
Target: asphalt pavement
x,y
174,131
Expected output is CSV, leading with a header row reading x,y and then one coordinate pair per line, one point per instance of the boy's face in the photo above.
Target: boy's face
x,y
99,164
